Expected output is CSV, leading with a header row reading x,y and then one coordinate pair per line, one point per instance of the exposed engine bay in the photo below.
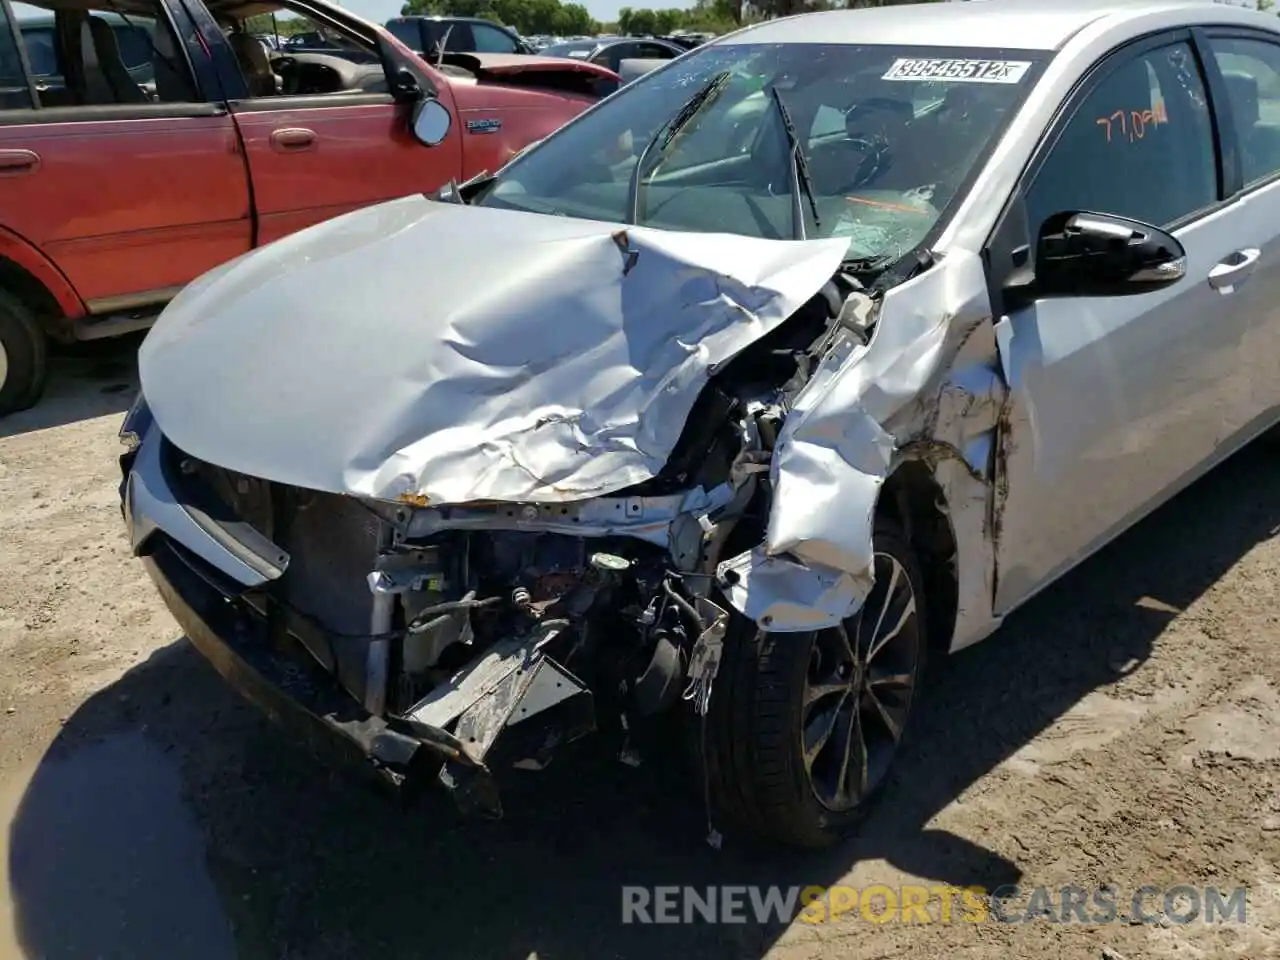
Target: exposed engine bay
x,y
532,624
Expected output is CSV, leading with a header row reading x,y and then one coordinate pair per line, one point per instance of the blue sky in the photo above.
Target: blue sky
x,y
604,10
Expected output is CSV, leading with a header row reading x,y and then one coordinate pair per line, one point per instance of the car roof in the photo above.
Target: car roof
x,y
1008,24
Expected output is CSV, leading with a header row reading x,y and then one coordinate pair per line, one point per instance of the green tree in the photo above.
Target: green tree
x,y
573,19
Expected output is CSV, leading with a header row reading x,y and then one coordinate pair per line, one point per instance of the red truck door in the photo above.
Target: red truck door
x,y
320,137
117,162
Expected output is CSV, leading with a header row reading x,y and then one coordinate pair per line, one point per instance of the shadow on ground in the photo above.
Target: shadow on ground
x,y
86,380
170,820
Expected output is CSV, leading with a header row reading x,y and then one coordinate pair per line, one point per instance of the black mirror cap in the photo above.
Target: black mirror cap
x,y
404,85
1084,254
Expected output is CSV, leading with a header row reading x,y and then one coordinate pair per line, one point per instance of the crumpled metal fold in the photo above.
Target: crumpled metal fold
x,y
454,354
836,448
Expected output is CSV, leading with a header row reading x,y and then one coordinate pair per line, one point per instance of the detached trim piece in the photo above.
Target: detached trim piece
x,y
151,505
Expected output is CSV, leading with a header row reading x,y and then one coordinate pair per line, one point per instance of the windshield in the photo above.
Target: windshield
x,y
887,138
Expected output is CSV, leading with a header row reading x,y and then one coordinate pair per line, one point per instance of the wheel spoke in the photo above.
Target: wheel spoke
x,y
843,633
890,722
878,641
826,726
891,681
854,765
815,692
889,593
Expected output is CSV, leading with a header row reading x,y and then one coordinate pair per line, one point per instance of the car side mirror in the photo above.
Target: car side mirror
x,y
431,122
1099,255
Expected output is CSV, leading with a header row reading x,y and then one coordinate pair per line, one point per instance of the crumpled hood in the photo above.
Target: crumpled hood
x,y
463,353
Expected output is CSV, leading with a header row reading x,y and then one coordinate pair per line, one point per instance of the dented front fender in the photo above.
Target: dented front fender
x,y
922,387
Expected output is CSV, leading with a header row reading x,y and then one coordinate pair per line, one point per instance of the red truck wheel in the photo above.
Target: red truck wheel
x,y
22,355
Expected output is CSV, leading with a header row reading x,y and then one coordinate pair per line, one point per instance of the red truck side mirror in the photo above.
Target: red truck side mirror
x,y
431,121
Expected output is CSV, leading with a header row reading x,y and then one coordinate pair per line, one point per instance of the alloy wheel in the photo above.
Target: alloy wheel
x,y
858,689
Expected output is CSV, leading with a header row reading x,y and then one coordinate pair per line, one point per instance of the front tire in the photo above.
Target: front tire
x,y
23,352
803,727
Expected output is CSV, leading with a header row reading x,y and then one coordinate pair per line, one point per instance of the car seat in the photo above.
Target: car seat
x,y
106,79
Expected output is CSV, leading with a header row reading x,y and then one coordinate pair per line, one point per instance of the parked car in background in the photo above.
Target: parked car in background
x,y
808,356
611,52
688,41
148,144
429,35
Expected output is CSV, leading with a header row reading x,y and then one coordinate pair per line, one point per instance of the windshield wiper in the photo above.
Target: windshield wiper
x,y
667,132
800,179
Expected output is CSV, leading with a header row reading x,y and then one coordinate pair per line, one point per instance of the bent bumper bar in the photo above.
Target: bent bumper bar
x,y
301,697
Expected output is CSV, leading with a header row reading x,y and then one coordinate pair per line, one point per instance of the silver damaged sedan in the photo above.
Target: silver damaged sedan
x,y
701,423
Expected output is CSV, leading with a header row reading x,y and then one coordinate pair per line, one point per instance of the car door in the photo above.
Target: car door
x,y
1117,401
131,191
313,156
1249,63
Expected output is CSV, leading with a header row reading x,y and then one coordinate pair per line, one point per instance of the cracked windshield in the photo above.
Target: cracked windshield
x,y
781,141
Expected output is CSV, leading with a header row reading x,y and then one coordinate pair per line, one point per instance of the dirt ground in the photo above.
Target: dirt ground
x,y
1123,728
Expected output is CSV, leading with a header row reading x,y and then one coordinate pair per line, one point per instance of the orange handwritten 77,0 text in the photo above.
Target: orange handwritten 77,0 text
x,y
1126,126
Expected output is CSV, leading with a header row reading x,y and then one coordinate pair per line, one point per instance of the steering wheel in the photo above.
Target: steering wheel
x,y
286,68
866,137
871,154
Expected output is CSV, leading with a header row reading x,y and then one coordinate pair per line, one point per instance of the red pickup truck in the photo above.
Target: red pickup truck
x,y
143,143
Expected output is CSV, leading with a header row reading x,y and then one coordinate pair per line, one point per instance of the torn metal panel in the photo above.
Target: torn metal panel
x,y
850,426
785,596
510,356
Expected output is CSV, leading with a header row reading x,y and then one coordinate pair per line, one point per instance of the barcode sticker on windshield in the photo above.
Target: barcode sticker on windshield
x,y
958,71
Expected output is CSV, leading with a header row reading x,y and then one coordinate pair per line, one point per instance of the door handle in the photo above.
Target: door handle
x,y
293,139
16,163
1232,269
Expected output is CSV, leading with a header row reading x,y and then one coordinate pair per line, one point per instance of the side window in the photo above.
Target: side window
x,y
1251,69
613,56
14,92
1139,145
307,67
491,40
653,51
458,38
828,121
94,57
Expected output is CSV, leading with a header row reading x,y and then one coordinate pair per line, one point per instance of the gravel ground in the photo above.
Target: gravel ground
x,y
1123,728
